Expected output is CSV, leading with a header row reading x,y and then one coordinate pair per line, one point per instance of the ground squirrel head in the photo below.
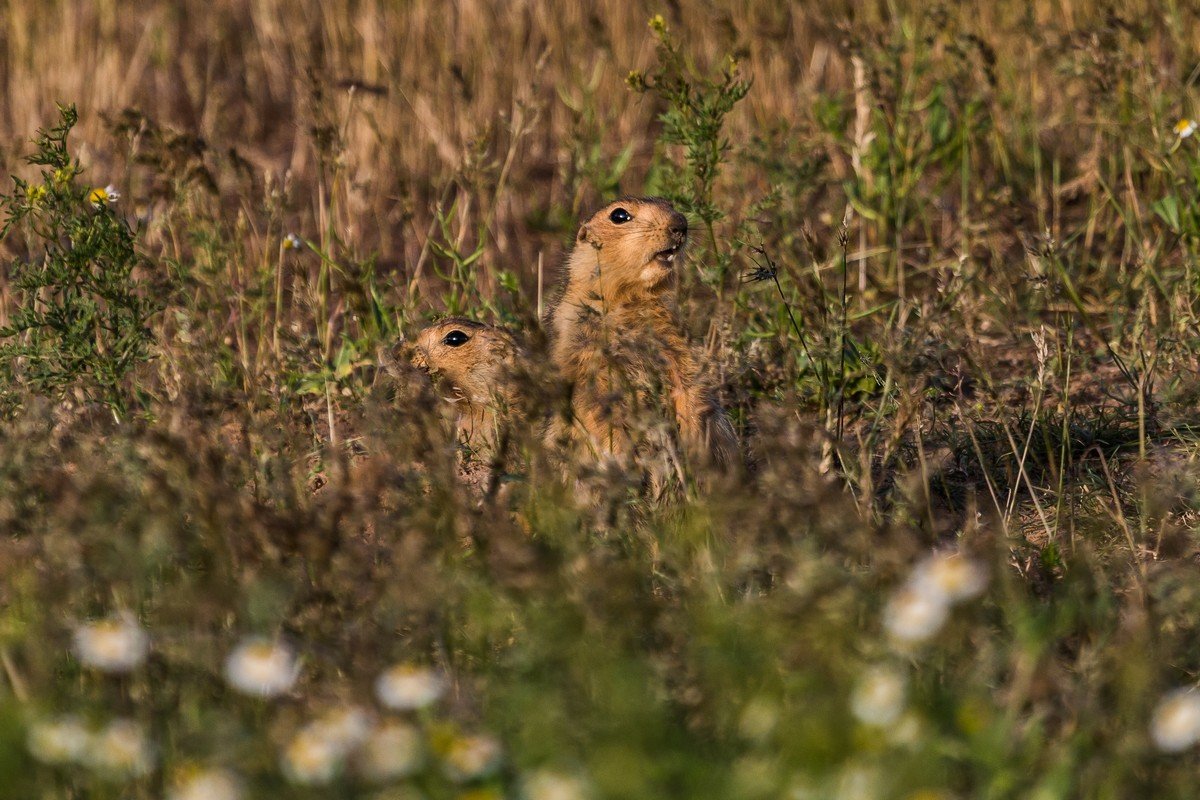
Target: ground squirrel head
x,y
469,359
630,244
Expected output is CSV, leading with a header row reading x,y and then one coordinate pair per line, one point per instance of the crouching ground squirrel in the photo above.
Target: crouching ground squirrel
x,y
616,336
473,366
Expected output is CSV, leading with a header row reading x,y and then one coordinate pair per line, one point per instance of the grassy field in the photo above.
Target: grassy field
x,y
944,262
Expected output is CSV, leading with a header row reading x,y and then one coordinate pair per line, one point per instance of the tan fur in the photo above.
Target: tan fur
x,y
616,336
475,376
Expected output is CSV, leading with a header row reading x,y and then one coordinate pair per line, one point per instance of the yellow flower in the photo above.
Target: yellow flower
x,y
35,194
102,197
1185,128
658,24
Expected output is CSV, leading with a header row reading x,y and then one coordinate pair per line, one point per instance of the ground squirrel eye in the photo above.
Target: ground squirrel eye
x,y
620,216
455,338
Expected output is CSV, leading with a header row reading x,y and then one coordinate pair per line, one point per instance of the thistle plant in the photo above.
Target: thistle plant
x,y
80,321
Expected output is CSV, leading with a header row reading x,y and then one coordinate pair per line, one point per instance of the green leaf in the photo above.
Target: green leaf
x,y
1167,209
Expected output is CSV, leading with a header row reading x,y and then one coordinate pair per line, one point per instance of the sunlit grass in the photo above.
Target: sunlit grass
x,y
943,269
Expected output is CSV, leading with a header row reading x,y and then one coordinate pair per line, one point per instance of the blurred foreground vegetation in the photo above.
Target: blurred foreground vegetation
x,y
943,259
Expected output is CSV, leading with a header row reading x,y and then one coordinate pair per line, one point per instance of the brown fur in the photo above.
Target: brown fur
x,y
616,336
475,376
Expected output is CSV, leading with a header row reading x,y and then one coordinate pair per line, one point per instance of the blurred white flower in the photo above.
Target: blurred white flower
x,y
63,740
208,784
292,242
546,784
102,197
755,775
951,576
261,667
1176,722
313,757
401,793
1185,128
117,644
470,757
348,727
406,687
906,731
802,787
857,782
759,719
879,698
318,752
393,750
121,747
913,615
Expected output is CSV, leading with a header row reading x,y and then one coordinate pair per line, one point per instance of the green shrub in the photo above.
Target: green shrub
x,y
80,321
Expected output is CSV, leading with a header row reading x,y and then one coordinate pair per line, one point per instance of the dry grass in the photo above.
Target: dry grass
x,y
973,325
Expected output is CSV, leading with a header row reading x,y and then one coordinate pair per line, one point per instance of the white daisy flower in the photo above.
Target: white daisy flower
x,y
1176,723
292,242
951,576
262,668
406,687
546,784
347,727
470,757
906,731
759,719
913,615
313,757
857,782
99,198
208,784
121,747
394,750
117,644
63,740
879,698
1185,128
319,751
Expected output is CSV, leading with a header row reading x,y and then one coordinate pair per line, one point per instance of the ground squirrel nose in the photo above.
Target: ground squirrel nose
x,y
678,224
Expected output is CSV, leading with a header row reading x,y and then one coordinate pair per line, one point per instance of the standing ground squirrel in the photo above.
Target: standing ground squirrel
x,y
616,335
